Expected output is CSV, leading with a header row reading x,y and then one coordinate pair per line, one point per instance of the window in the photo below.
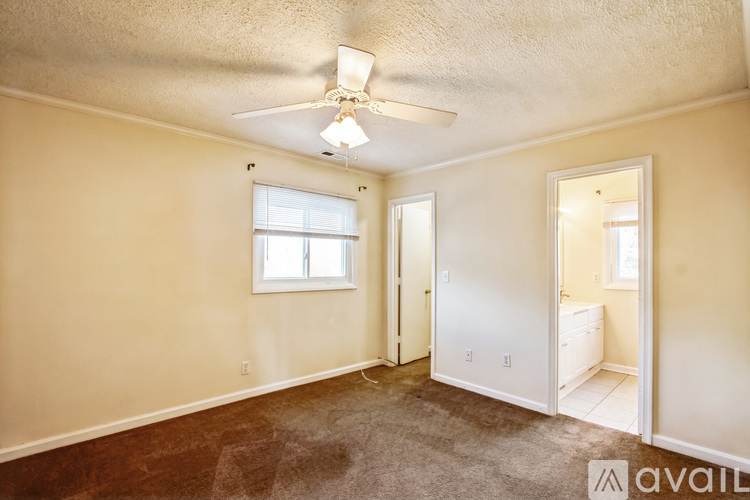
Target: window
x,y
302,240
621,244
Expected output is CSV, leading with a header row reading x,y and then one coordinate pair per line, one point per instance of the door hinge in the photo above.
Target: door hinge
x,y
398,339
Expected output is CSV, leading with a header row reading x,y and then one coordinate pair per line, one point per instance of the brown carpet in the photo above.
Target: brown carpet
x,y
407,437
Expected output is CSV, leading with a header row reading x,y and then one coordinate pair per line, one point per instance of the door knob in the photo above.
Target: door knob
x,y
428,291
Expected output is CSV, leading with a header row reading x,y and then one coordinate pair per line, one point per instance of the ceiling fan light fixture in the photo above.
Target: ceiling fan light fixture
x,y
350,129
332,134
345,129
349,91
360,140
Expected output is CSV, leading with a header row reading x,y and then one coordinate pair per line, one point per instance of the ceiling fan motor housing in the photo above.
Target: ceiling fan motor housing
x,y
335,94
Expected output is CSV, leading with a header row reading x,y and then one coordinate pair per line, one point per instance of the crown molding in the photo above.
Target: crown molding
x,y
622,122
25,95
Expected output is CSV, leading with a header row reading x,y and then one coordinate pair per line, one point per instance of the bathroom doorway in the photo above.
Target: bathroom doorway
x,y
600,312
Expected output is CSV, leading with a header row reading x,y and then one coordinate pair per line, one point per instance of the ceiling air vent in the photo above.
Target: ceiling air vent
x,y
334,155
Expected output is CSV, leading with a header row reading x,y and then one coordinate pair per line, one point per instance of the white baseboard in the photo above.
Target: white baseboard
x,y
702,453
50,443
628,370
486,391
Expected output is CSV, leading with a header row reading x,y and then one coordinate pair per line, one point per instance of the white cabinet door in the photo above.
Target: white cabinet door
x,y
593,350
590,348
561,357
598,342
566,371
581,351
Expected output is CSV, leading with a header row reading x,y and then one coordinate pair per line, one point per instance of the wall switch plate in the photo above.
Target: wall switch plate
x,y
467,355
506,360
596,277
446,276
245,367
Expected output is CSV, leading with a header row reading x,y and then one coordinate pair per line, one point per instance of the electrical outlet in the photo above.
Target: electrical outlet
x,y
245,368
467,355
596,277
506,360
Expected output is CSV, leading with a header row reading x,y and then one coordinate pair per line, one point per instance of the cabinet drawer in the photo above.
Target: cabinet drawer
x,y
580,318
566,323
596,314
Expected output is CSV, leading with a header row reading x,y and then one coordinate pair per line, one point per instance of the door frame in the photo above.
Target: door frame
x,y
392,269
644,165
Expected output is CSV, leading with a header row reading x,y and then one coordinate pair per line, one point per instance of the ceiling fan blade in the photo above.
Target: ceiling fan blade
x,y
278,109
354,68
412,113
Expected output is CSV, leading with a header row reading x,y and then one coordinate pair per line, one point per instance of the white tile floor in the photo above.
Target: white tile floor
x,y
608,398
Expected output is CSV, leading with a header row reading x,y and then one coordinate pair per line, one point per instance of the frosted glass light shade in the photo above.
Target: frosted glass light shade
x,y
332,134
360,140
344,130
349,131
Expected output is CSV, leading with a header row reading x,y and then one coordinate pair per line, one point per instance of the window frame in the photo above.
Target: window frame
x,y
610,262
262,285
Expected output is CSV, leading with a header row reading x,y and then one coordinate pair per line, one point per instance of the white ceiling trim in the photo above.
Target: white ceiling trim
x,y
623,122
116,115
746,16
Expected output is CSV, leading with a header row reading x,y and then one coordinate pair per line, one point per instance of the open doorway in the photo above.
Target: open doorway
x,y
601,326
411,265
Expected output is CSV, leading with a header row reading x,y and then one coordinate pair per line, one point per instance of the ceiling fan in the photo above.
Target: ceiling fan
x,y
348,92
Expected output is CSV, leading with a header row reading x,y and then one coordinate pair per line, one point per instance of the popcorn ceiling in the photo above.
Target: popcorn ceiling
x,y
512,70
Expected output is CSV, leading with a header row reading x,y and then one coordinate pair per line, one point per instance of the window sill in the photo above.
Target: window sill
x,y
621,286
300,286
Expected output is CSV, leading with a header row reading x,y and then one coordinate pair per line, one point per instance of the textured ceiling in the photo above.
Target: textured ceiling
x,y
512,70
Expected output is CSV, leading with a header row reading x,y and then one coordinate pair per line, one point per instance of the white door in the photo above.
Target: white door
x,y
416,276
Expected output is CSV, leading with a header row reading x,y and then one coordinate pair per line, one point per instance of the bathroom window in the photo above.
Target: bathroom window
x,y
302,240
620,221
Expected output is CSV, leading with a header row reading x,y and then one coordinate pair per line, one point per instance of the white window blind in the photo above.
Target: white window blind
x,y
622,213
283,211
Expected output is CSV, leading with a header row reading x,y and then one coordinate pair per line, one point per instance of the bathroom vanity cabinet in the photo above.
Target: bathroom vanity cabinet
x,y
581,347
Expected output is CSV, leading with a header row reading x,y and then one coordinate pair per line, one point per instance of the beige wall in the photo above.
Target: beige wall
x,y
125,256
492,236
125,271
583,256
